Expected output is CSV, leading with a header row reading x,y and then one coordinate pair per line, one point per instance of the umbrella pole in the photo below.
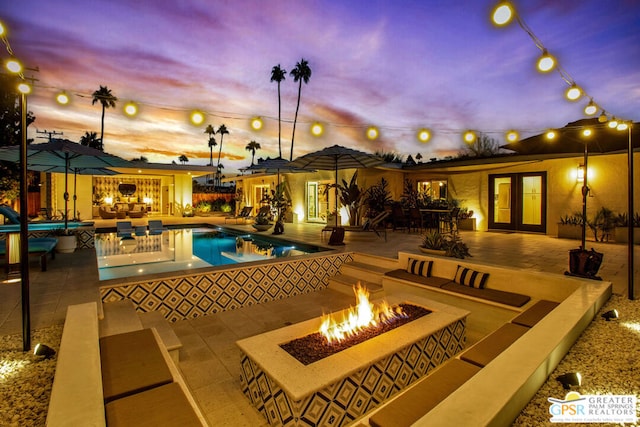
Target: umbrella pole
x,y
336,191
585,193
66,192
75,177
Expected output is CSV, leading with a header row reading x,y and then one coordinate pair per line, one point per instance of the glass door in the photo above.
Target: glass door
x,y
518,202
312,202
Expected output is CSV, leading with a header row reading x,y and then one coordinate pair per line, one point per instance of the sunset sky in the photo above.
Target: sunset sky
x,y
399,65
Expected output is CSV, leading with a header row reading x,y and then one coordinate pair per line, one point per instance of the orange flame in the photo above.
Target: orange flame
x,y
355,319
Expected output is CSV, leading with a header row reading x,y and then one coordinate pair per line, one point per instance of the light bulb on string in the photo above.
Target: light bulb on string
x,y
469,137
130,108
502,14
546,62
372,133
317,129
613,123
590,109
14,66
512,136
256,123
424,135
573,93
24,88
62,98
602,118
550,135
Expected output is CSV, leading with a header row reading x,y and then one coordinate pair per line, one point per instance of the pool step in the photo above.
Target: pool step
x,y
121,316
343,283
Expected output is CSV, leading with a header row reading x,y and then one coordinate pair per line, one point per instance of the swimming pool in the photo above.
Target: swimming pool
x,y
181,249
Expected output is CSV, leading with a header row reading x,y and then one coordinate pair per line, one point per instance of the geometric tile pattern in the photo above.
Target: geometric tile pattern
x,y
351,397
194,295
85,236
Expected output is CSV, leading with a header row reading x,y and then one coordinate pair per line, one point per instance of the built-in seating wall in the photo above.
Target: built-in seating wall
x,y
85,236
193,295
145,188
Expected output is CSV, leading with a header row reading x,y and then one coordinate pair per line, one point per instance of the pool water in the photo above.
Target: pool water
x,y
173,250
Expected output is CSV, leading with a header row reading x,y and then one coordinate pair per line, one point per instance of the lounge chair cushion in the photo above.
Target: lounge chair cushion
x,y
492,345
535,313
468,277
425,395
419,267
166,405
132,362
503,297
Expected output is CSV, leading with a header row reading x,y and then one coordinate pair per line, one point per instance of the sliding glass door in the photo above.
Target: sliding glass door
x,y
518,202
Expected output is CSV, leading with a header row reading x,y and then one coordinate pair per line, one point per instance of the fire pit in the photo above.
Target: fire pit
x,y
343,386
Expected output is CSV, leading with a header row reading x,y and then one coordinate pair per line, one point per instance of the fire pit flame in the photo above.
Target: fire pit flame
x,y
364,315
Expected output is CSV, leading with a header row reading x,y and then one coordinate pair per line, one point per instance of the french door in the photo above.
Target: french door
x,y
518,202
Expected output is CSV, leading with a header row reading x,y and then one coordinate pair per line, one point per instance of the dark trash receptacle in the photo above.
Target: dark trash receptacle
x,y
584,263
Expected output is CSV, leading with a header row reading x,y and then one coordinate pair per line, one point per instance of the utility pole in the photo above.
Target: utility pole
x,y
49,134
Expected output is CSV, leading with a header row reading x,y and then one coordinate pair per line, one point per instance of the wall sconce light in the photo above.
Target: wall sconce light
x,y
108,200
580,174
570,379
610,315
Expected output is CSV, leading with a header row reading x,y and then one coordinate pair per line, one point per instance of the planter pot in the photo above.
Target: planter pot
x,y
570,231
262,227
467,224
432,251
621,235
66,244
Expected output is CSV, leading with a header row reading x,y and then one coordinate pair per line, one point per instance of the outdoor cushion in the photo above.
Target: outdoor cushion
x,y
419,267
162,406
468,277
493,344
535,313
434,281
131,362
508,298
426,394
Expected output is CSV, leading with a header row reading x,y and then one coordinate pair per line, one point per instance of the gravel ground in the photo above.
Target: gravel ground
x,y
607,355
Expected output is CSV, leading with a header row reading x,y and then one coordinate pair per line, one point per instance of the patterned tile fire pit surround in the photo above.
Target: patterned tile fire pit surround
x,y
340,388
193,295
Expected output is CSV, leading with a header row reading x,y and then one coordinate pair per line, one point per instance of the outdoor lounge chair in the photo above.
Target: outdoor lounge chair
x,y
376,225
243,215
41,246
124,228
107,212
156,227
10,214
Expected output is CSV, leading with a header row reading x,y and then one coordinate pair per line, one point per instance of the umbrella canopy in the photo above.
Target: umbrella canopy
x,y
569,139
63,154
334,158
275,165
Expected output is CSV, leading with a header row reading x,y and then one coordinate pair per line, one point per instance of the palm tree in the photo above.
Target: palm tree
x,y
253,147
212,142
278,74
107,99
222,130
183,159
301,73
90,139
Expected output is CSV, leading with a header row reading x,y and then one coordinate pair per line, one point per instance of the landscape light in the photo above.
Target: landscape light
x,y
570,379
62,98
512,136
610,315
424,135
502,14
546,62
44,351
573,93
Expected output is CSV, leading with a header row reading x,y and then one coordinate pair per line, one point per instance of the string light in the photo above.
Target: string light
x,y
512,136
590,109
256,123
131,109
469,137
317,129
196,117
62,98
573,93
372,133
424,135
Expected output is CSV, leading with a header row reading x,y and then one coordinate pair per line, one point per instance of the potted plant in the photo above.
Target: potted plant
x,y
466,220
67,240
602,224
433,243
450,244
280,203
570,226
262,223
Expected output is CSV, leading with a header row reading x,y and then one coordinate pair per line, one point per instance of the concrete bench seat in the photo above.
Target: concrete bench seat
x,y
487,349
131,363
433,281
165,405
535,313
424,395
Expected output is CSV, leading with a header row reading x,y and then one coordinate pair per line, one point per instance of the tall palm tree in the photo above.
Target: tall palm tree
x,y
183,159
278,74
90,139
301,73
106,99
222,130
253,147
212,142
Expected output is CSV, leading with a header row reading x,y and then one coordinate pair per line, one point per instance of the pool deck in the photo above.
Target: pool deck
x,y
209,359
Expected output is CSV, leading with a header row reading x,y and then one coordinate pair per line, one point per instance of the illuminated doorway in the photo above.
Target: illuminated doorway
x,y
318,201
518,202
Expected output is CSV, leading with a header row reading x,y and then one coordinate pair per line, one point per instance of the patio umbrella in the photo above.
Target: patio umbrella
x,y
275,165
66,155
334,158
